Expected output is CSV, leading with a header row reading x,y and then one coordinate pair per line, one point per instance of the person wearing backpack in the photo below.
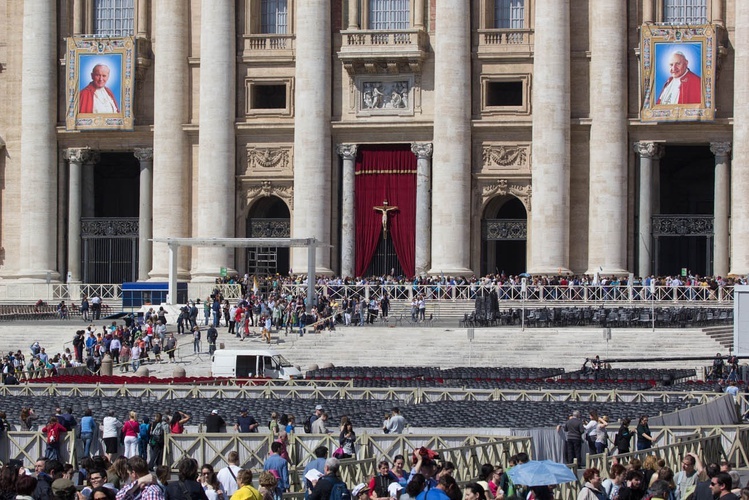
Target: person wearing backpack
x,y
158,430
143,437
330,486
54,431
187,486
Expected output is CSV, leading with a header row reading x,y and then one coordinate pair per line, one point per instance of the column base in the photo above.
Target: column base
x,y
35,276
450,271
549,271
158,275
206,276
607,271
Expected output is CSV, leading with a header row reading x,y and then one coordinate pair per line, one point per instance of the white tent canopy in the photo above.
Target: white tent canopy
x,y
175,243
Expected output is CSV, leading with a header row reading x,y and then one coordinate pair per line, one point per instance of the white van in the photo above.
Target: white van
x,y
247,363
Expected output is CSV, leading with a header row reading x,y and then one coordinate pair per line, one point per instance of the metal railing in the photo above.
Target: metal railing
x,y
585,294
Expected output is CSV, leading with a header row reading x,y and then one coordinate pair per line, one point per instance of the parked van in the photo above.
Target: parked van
x,y
247,363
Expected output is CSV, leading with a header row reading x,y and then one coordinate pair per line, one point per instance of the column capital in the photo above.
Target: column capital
x,y
720,148
648,149
78,155
143,154
422,150
347,151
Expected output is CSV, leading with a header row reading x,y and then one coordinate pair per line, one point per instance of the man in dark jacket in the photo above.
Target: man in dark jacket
x,y
574,443
52,470
325,484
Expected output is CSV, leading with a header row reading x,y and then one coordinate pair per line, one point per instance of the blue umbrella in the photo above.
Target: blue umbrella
x,y
541,473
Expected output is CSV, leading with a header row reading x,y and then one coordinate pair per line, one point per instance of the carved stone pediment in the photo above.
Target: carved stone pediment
x,y
506,157
262,189
271,160
519,188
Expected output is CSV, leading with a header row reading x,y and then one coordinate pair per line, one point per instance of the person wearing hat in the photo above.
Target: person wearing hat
x,y
214,422
360,492
63,489
246,422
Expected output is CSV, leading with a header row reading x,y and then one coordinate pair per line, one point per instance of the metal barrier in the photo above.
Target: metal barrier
x,y
709,448
530,294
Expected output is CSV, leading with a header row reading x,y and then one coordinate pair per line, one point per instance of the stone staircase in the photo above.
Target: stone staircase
x,y
722,334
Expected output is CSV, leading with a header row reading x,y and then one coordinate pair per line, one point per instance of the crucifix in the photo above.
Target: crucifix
x,y
384,209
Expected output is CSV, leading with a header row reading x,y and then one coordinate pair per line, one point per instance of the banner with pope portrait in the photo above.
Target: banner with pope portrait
x,y
678,67
100,76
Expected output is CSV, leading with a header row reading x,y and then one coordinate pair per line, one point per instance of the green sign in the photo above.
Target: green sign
x,y
684,271
223,272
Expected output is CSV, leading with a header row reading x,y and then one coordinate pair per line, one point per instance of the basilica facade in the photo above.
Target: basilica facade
x,y
408,136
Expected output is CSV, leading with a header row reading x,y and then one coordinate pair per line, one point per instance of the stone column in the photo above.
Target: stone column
x,y
216,157
79,16
38,155
62,216
423,256
720,210
419,14
145,211
312,147
650,153
648,14
353,14
607,220
718,15
451,217
550,217
76,158
171,158
348,215
88,202
740,168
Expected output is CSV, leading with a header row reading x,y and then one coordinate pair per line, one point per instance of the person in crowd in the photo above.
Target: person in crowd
x,y
592,490
318,464
131,431
25,487
210,483
623,438
401,475
632,489
379,483
118,473
228,475
602,436
686,479
414,487
245,491
268,486
446,489
644,436
396,423
177,424
111,434
214,422
158,431
615,481
325,484
54,432
575,431
27,418
187,486
87,429
140,481
721,486
346,440
275,462
485,474
246,422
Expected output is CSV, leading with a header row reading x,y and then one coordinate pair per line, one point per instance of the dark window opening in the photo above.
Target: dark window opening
x,y
269,97
504,93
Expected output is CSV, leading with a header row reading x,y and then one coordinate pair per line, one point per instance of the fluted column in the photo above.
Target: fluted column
x,y
720,207
312,146
740,168
650,154
79,16
38,168
718,16
550,217
171,159
216,169
451,216
76,158
423,256
607,221
419,14
348,211
145,211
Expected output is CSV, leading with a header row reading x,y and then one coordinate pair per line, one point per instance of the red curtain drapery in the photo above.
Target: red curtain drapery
x,y
385,172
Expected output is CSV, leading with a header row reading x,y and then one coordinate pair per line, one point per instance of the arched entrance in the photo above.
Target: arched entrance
x,y
269,217
504,230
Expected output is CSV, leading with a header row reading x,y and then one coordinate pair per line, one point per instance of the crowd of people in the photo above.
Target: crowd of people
x,y
131,462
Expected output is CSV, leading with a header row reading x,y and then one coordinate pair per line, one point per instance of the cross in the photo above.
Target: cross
x,y
384,209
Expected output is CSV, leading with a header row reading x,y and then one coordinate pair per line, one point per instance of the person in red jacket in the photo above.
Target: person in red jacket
x,y
54,431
